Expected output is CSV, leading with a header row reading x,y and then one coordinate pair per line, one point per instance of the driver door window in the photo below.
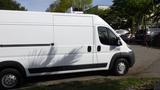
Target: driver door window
x,y
106,36
103,35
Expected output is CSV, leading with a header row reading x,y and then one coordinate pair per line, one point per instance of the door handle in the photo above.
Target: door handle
x,y
89,49
52,44
99,48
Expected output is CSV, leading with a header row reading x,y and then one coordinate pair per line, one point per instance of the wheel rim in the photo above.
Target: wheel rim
x,y
121,68
9,80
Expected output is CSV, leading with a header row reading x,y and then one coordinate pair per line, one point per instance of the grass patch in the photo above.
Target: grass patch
x,y
102,84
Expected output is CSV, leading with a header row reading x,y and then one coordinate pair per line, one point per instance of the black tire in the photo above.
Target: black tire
x,y
119,64
10,78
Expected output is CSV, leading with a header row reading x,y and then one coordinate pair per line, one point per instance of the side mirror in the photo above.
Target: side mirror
x,y
118,41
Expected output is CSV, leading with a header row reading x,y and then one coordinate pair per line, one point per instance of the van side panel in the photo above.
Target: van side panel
x,y
70,20
71,43
44,43
29,45
73,35
25,34
19,17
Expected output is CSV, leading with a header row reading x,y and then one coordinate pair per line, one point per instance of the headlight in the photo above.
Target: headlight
x,y
148,32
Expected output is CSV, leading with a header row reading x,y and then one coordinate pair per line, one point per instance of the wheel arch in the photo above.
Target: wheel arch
x,y
14,65
128,56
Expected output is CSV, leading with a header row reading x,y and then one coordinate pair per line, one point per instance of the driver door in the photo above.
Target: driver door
x,y
105,44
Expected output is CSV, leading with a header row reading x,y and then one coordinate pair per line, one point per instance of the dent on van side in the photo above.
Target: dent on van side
x,y
41,43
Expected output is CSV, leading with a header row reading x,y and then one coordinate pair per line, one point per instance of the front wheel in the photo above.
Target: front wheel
x,y
120,67
10,78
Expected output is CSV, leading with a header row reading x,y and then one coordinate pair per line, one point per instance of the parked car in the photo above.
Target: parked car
x,y
148,36
140,36
42,43
122,31
124,34
153,36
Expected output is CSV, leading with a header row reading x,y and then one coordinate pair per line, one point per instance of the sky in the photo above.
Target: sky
x,y
42,5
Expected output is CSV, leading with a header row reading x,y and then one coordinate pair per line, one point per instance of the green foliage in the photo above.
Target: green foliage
x,y
130,83
81,4
10,5
114,18
156,15
126,13
132,7
63,5
135,12
102,13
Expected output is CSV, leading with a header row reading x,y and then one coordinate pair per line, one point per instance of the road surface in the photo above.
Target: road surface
x,y
147,61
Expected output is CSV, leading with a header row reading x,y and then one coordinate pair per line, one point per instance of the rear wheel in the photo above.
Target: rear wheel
x,y
10,78
120,67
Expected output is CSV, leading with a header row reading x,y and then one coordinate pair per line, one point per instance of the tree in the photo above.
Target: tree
x,y
100,12
82,4
134,11
103,13
63,5
10,5
155,17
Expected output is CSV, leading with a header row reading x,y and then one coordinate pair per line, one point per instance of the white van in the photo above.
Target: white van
x,y
41,43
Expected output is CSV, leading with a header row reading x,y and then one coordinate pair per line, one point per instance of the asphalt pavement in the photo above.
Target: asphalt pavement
x,y
147,61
